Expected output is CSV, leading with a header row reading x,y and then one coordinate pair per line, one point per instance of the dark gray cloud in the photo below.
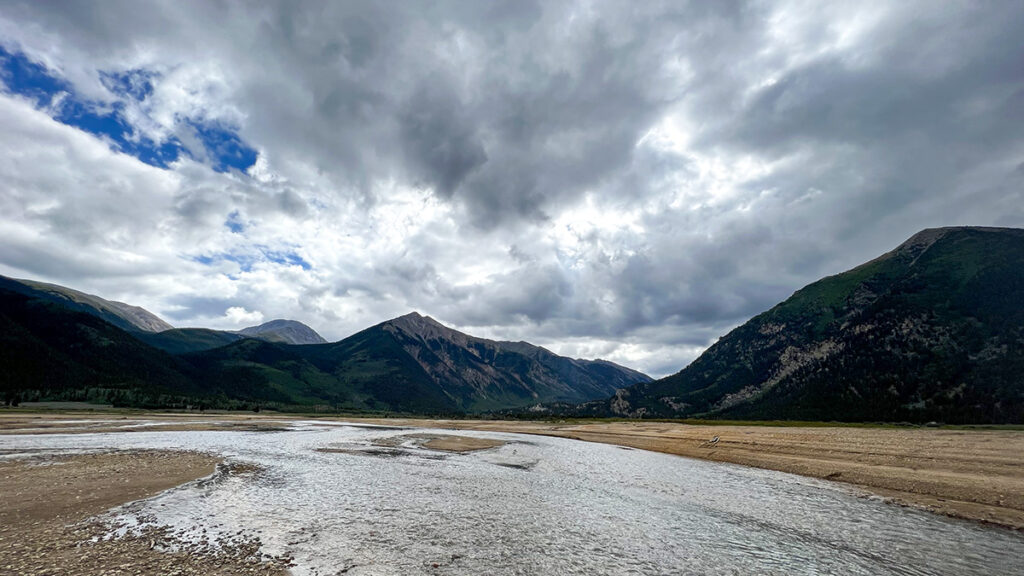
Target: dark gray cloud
x,y
439,138
620,179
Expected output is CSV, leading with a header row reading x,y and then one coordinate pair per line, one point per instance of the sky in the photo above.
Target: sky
x,y
619,180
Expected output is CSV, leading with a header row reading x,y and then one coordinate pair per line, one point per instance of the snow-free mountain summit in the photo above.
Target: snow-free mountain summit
x,y
61,344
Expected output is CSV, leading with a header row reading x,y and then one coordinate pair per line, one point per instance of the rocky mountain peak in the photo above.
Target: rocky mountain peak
x,y
416,322
424,328
919,243
922,241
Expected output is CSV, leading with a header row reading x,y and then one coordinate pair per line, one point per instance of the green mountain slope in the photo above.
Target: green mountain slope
x,y
152,329
185,340
360,374
124,316
415,364
479,374
49,350
933,330
375,367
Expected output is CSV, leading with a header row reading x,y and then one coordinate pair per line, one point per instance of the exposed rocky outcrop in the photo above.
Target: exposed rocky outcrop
x,y
933,330
481,374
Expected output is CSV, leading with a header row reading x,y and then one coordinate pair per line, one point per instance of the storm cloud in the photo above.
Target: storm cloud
x,y
615,179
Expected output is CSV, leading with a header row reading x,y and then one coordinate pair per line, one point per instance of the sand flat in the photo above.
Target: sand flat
x,y
46,504
451,443
441,442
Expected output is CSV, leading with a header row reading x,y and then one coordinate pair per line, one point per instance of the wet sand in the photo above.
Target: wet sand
x,y
46,505
972,474
449,443
393,446
442,442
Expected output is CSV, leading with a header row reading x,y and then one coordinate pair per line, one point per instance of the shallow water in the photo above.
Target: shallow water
x,y
538,506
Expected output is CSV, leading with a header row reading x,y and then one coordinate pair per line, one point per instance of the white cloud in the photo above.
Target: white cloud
x,y
239,316
616,180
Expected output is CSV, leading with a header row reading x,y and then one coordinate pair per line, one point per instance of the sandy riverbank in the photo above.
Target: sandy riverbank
x,y
973,474
46,505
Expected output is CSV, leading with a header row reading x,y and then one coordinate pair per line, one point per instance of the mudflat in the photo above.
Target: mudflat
x,y
972,474
46,505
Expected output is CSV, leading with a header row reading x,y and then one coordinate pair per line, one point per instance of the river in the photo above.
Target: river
x,y
535,506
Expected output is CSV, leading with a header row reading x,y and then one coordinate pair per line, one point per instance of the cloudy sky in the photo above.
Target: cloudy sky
x,y
626,180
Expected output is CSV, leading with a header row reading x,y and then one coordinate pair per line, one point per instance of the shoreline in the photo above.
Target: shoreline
x,y
975,475
49,524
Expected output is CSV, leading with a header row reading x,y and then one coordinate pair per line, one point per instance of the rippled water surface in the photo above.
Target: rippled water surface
x,y
540,506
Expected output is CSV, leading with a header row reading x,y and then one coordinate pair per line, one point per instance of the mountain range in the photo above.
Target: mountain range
x,y
933,330
182,340
119,314
153,328
59,343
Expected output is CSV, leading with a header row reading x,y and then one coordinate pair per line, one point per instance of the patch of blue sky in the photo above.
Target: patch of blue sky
x,y
116,130
288,257
28,79
235,223
246,262
224,146
135,84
